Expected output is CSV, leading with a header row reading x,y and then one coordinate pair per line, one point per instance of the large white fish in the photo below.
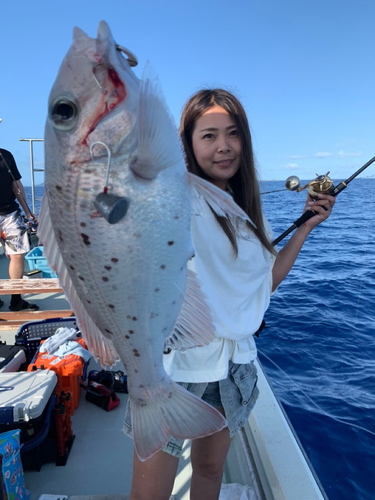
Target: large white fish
x,y
125,273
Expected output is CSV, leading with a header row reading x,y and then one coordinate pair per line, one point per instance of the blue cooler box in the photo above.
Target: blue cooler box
x,y
36,260
27,401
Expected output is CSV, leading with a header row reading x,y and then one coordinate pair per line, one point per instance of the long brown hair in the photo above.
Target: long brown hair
x,y
244,184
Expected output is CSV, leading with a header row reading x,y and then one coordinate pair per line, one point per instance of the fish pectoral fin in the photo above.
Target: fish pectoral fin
x,y
99,346
178,413
155,124
220,201
194,326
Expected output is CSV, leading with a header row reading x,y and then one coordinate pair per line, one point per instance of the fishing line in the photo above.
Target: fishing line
x,y
321,411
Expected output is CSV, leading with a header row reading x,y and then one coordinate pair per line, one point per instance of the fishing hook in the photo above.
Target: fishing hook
x,y
102,90
112,207
131,60
108,161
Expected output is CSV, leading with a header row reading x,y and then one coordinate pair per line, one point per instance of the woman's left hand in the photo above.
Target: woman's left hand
x,y
322,206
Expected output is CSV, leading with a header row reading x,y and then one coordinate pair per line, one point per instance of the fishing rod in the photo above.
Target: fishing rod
x,y
291,184
322,184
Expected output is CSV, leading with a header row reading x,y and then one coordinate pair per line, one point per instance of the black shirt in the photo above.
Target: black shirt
x,y
8,203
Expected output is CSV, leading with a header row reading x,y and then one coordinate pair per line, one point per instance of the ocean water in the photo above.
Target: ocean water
x,y
322,335
321,332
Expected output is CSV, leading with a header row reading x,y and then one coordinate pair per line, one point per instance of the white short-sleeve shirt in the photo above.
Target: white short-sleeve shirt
x,y
238,291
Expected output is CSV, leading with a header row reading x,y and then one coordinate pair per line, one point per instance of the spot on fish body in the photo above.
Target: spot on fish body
x,y
170,243
108,268
114,260
162,266
104,278
83,224
111,306
131,332
86,239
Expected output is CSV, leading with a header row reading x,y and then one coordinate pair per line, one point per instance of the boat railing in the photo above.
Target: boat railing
x,y
33,170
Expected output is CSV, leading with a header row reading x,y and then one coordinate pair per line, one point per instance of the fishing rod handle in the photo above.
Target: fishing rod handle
x,y
297,223
310,213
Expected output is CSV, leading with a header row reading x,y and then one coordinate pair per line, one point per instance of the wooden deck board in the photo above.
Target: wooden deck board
x,y
38,285
12,320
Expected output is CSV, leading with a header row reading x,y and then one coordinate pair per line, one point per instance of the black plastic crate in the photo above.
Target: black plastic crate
x,y
30,334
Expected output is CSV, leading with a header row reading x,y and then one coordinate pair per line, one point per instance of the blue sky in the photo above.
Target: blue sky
x,y
304,71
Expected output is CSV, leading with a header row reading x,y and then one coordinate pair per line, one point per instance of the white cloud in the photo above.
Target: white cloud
x,y
297,157
323,155
342,154
291,166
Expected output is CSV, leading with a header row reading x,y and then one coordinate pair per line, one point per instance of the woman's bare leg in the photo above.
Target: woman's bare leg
x,y
208,456
153,478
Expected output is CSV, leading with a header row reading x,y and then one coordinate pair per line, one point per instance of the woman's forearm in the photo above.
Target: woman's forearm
x,y
322,206
287,256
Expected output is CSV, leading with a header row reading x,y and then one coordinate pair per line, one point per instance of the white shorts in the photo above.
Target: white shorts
x,y
13,234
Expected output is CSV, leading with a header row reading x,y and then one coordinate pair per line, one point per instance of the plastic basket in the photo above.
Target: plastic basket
x,y
36,260
30,334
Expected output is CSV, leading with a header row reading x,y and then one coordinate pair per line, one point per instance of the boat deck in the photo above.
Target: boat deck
x,y
101,459
265,455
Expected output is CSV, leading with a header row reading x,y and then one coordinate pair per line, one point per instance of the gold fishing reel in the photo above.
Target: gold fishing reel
x,y
321,184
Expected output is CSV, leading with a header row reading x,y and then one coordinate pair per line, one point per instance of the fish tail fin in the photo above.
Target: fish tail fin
x,y
179,413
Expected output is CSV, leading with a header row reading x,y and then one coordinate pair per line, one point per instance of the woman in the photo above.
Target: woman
x,y
238,269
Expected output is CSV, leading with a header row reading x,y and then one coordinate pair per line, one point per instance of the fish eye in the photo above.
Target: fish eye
x,y
63,114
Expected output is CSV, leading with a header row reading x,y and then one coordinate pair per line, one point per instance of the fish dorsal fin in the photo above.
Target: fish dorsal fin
x,y
155,123
99,346
220,201
194,326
